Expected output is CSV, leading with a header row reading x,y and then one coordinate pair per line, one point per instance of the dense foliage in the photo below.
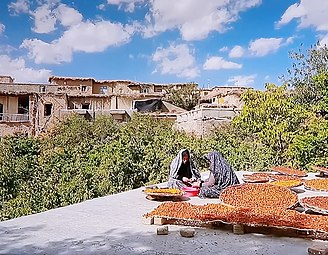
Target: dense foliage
x,y
308,78
80,160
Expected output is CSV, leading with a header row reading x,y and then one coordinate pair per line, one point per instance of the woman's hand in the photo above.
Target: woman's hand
x,y
186,180
196,184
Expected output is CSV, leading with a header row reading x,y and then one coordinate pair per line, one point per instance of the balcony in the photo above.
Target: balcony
x,y
8,117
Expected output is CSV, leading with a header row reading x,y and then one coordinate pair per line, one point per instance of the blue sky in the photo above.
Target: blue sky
x,y
210,42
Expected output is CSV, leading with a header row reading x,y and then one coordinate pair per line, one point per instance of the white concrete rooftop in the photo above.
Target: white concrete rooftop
x,y
112,225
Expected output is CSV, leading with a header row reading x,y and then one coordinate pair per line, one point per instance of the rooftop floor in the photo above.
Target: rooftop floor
x,y
112,225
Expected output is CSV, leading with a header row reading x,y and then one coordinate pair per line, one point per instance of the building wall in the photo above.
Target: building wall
x,y
6,79
58,102
76,82
101,103
7,129
232,100
201,122
124,103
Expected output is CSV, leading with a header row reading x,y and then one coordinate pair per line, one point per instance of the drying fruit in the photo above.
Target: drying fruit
x,y
256,177
287,183
317,202
289,171
317,184
281,177
164,191
187,214
258,196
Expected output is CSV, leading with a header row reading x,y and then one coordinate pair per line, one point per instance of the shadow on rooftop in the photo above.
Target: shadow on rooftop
x,y
14,240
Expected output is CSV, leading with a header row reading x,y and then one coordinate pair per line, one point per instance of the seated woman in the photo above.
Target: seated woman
x,y
221,176
182,171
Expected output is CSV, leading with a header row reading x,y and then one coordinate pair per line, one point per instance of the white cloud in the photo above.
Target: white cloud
x,y
127,5
264,46
223,49
85,37
237,52
2,28
51,13
195,19
17,69
44,19
176,59
48,53
217,63
242,81
20,6
7,49
68,16
101,7
308,13
95,37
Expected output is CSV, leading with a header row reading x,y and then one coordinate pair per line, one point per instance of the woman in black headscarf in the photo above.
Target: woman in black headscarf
x,y
221,176
182,171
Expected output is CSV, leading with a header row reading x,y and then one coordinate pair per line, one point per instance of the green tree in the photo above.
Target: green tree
x,y
273,117
186,97
308,78
310,144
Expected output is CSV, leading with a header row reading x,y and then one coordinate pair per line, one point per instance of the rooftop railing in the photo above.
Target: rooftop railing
x,y
8,117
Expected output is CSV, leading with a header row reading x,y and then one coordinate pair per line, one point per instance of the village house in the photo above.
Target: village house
x,y
34,108
31,109
217,105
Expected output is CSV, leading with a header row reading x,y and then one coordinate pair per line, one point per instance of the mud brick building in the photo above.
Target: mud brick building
x,y
34,108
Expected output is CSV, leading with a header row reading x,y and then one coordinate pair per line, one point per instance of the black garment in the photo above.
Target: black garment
x,y
184,171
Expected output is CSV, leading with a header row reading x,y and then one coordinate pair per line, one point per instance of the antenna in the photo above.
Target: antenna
x,y
208,83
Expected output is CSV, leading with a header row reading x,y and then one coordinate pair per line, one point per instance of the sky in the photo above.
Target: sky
x,y
209,42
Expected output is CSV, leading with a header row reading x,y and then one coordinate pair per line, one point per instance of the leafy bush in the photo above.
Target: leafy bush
x,y
310,145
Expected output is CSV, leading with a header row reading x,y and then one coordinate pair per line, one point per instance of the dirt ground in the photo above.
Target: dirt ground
x,y
112,225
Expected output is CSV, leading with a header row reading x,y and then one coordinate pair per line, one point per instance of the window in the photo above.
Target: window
x,y
23,104
145,90
158,89
103,90
86,106
47,109
1,111
42,89
83,88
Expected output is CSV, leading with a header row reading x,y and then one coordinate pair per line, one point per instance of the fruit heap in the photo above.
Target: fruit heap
x,y
277,217
317,184
289,171
252,204
320,169
164,191
287,183
281,177
256,177
187,211
317,202
258,196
